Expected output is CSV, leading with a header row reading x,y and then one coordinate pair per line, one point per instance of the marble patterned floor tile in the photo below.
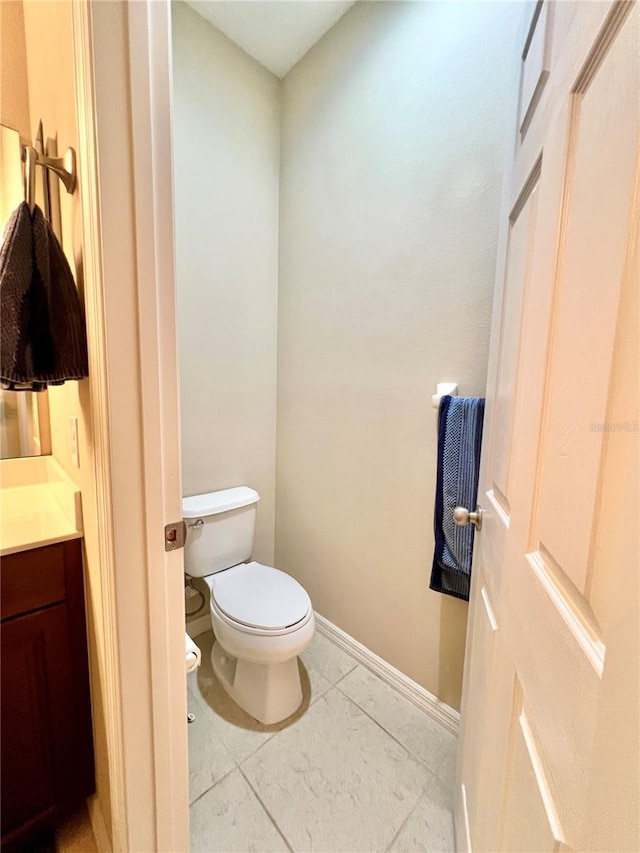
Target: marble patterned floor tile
x,y
241,733
336,781
416,730
326,663
446,771
230,819
429,828
209,760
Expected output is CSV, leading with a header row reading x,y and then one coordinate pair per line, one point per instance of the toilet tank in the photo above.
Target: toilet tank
x,y
220,530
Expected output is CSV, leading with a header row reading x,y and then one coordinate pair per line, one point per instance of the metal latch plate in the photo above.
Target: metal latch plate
x,y
174,536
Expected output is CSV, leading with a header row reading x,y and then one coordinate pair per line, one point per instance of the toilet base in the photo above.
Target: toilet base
x,y
268,692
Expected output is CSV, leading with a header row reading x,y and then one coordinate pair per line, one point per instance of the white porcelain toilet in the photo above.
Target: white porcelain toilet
x,y
262,618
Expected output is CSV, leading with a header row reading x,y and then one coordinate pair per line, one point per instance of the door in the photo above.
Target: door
x,y
549,742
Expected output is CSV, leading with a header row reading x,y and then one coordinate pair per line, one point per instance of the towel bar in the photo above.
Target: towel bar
x,y
443,389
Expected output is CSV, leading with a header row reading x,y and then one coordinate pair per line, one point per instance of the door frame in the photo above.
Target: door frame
x,y
122,57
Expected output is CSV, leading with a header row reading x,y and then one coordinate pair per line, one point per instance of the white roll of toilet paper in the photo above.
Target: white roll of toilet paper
x,y
192,654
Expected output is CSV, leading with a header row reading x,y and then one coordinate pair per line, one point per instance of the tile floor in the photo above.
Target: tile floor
x,y
357,768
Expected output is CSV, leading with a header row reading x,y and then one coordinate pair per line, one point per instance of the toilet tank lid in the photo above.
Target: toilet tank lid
x,y
198,506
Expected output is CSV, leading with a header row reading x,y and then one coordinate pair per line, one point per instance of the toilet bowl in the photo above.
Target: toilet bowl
x,y
262,618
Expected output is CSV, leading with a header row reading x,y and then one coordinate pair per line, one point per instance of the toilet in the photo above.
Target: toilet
x,y
262,618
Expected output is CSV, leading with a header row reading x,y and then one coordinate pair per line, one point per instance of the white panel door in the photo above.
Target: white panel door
x,y
549,757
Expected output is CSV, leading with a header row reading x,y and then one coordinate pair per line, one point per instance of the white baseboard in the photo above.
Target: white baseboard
x,y
99,827
400,682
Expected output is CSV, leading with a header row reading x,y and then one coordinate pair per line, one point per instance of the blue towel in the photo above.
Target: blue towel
x,y
459,440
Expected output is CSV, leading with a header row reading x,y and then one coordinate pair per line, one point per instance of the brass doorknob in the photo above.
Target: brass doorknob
x,y
462,517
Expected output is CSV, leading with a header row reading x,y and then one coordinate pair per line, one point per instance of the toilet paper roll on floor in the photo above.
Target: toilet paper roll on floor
x,y
192,654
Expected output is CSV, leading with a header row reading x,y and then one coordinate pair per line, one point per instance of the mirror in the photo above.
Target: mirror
x,y
24,424
24,415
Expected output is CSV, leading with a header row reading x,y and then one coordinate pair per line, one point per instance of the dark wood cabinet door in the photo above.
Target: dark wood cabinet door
x,y
46,732
34,651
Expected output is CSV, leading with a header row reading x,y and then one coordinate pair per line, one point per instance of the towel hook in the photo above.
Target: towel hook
x,y
30,157
64,167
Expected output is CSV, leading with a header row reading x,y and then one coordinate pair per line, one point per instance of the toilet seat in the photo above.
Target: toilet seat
x,y
259,599
239,628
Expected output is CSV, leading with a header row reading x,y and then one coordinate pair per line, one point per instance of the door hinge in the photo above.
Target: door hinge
x,y
175,535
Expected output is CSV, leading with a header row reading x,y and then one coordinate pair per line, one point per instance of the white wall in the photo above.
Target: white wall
x,y
226,159
394,130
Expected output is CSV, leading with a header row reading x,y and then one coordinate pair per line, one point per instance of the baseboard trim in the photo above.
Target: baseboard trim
x,y
400,682
98,825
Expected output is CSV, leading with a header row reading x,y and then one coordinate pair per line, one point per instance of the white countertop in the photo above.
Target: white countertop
x,y
39,513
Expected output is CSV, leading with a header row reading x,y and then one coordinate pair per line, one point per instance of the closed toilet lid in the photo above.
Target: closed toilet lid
x,y
260,597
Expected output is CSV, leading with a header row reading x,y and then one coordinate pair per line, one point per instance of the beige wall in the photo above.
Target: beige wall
x,y
394,130
14,87
37,58
226,163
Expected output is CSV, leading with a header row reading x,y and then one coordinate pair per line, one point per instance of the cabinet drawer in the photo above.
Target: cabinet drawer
x,y
34,579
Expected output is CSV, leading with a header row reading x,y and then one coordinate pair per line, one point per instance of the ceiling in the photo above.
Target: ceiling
x,y
277,33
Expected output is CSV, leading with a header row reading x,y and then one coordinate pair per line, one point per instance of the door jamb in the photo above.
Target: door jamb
x,y
123,99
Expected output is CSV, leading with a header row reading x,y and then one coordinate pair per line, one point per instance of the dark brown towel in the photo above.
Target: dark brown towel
x,y
42,330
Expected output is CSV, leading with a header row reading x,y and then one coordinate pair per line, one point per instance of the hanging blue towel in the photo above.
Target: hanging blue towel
x,y
459,441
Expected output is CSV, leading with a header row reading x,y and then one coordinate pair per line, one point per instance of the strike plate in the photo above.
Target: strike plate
x,y
174,536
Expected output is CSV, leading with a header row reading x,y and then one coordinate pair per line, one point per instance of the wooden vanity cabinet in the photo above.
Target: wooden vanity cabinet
x,y
46,730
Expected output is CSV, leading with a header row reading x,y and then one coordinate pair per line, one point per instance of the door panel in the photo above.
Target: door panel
x,y
485,632
522,228
493,682
547,601
531,819
560,685
535,63
602,164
